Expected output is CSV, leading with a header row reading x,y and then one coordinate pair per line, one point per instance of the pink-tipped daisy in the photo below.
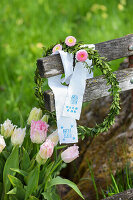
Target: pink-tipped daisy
x,y
81,55
70,41
57,47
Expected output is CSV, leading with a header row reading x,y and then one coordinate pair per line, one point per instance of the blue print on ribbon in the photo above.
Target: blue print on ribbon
x,y
74,99
67,133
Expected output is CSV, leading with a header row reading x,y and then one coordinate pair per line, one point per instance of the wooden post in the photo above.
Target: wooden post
x,y
131,66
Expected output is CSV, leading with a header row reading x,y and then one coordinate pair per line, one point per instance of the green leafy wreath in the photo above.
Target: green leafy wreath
x,y
71,46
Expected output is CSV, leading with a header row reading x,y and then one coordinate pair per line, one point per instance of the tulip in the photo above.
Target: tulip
x,y
40,160
17,137
7,128
45,118
38,131
2,143
70,154
54,137
46,149
35,114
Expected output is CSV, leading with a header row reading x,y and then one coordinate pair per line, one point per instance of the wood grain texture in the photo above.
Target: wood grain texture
x,y
112,49
96,87
126,195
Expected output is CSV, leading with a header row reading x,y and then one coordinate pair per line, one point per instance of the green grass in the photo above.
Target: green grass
x,y
25,24
122,181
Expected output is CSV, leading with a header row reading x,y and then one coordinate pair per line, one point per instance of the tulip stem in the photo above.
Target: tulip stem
x,y
54,168
55,154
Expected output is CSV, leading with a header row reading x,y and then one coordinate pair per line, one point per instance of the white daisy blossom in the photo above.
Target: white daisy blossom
x,y
7,128
2,143
17,137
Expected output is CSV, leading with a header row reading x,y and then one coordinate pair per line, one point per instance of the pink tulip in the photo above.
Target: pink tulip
x,y
57,47
70,154
70,41
81,55
46,149
38,131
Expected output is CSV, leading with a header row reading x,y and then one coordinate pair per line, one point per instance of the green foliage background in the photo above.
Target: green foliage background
x,y
27,25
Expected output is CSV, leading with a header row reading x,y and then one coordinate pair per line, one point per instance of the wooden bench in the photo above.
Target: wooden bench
x,y
95,87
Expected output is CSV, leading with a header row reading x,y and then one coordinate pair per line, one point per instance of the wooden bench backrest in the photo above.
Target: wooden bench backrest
x,y
95,87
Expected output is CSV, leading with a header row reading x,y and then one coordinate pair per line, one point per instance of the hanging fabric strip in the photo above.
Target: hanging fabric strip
x,y
76,88
67,127
68,99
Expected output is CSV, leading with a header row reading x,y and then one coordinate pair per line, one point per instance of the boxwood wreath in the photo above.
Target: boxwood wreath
x,y
99,63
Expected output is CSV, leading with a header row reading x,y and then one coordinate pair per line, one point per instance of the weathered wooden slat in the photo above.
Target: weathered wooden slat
x,y
112,49
96,87
126,195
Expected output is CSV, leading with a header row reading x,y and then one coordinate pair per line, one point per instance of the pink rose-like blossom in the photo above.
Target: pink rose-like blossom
x,y
57,47
38,131
81,55
46,149
70,41
70,154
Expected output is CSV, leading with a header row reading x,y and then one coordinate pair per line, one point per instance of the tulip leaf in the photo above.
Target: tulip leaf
x,y
19,171
15,181
32,181
25,163
31,165
33,198
12,197
51,194
1,189
5,154
11,162
58,180
2,163
13,191
17,193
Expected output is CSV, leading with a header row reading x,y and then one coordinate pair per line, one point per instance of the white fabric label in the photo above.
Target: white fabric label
x,y
68,99
67,127
67,60
74,98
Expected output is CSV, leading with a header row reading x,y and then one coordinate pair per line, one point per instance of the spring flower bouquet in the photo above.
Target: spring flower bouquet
x,y
31,160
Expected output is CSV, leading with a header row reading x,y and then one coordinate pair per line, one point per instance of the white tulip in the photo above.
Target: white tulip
x,y
35,114
17,137
2,143
54,137
7,128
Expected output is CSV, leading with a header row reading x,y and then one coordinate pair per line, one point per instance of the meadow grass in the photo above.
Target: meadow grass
x,y
27,25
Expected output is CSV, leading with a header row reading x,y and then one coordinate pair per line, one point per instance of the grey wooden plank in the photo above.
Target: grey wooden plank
x,y
112,49
96,87
126,195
